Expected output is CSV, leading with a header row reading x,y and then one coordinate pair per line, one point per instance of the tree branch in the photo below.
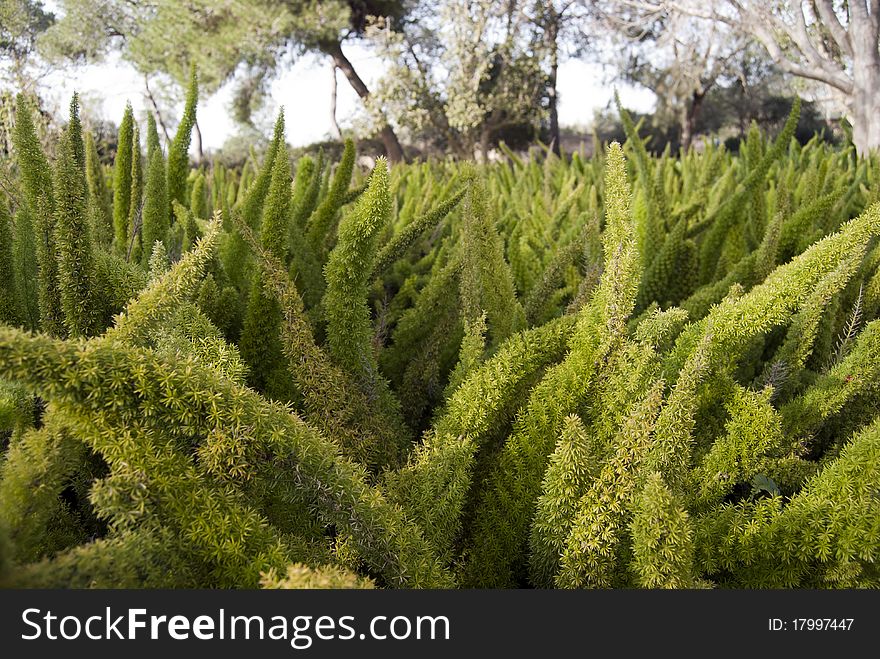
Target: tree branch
x,y
812,73
156,109
199,148
801,37
875,17
759,23
832,22
788,43
337,133
334,50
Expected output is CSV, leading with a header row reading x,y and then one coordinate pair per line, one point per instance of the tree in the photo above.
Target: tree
x,y
493,82
758,91
410,93
829,42
554,19
551,19
465,72
21,21
677,56
247,43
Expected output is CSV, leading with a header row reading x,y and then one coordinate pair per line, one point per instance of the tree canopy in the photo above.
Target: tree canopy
x,y
834,44
247,43
21,22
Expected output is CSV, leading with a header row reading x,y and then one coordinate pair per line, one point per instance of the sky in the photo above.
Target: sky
x,y
304,92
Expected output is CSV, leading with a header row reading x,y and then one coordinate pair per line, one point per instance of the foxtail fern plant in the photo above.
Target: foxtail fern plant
x,y
36,181
122,170
349,327
73,236
178,150
260,341
156,212
552,371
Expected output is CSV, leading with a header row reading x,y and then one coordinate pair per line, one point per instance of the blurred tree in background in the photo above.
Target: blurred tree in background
x,y
248,43
458,76
21,22
832,46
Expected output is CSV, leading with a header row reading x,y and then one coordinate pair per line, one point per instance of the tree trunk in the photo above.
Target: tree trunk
x,y
865,113
199,150
392,145
484,143
156,110
436,113
551,34
689,118
337,133
864,106
864,103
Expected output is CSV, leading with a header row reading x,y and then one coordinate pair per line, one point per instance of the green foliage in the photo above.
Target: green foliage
x,y
752,434
571,468
590,554
321,221
662,539
26,267
159,261
143,317
825,536
436,482
190,332
308,185
39,466
332,400
121,427
853,381
325,576
303,202
554,274
349,327
155,216
10,297
473,348
76,266
153,143
507,504
122,182
486,280
260,340
251,195
133,559
100,203
395,248
185,228
198,204
550,372
749,189
178,150
36,181
135,215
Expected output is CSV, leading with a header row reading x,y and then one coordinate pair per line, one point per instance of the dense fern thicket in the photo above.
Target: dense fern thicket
x,y
623,371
